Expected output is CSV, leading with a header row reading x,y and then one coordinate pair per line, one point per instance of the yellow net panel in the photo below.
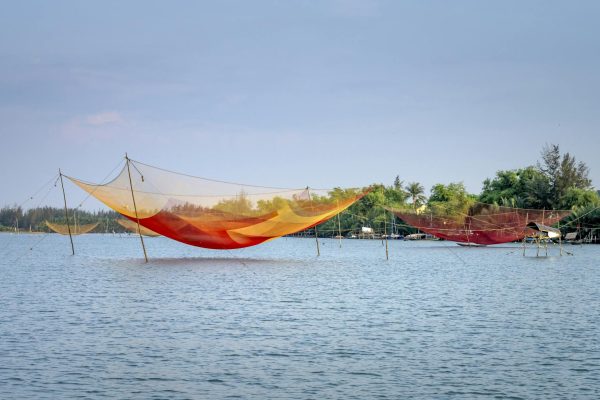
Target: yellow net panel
x,y
132,226
215,214
63,229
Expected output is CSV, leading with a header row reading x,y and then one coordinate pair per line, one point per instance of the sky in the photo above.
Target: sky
x,y
331,93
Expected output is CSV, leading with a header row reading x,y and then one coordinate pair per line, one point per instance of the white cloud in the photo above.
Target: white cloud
x,y
104,118
357,8
103,125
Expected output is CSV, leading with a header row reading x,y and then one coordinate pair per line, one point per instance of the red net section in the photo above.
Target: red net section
x,y
483,224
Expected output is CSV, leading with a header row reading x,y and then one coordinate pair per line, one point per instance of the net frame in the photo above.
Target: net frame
x,y
132,226
482,224
215,214
63,229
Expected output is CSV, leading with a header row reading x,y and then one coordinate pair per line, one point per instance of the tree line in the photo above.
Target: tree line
x,y
556,181
34,219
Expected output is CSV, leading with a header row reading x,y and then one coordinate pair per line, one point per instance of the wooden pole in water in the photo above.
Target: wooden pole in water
x,y
560,239
316,232
66,211
135,208
387,255
525,237
339,227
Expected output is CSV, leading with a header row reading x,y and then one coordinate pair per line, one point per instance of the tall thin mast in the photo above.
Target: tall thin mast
x,y
135,208
66,212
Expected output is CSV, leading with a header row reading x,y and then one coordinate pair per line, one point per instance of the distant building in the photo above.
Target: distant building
x,y
421,209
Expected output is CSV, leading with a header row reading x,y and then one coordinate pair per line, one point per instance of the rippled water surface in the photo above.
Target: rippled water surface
x,y
275,321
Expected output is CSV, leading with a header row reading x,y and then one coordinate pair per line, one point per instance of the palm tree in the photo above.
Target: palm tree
x,y
416,192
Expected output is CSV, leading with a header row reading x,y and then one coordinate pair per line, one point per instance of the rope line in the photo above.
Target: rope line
x,y
208,179
54,178
97,186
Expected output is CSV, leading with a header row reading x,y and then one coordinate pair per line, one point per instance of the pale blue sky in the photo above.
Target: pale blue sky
x,y
295,93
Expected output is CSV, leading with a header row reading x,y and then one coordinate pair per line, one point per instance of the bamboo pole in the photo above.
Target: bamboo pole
x,y
135,208
387,254
560,239
525,237
66,211
339,227
316,232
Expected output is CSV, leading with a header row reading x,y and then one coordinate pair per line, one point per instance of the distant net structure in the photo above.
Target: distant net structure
x,y
132,226
481,224
75,229
215,214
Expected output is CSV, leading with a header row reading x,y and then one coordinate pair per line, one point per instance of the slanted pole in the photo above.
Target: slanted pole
x,y
317,240
316,232
135,208
66,212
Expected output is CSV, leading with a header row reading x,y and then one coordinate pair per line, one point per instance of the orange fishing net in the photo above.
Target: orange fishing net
x,y
75,229
215,214
132,226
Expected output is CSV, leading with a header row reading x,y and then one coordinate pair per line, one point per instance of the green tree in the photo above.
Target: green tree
x,y
576,198
451,198
524,188
398,183
563,172
416,192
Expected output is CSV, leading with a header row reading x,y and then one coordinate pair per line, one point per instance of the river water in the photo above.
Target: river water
x,y
277,322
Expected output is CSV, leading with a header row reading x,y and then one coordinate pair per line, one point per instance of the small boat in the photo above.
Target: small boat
x,y
470,244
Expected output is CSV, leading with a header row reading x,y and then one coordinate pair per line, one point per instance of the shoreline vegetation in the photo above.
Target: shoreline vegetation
x,y
557,181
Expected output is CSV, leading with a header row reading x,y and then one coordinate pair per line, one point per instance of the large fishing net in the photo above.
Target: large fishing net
x,y
132,226
76,229
481,224
215,214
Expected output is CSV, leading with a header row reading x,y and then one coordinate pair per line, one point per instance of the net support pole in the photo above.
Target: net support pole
x,y
339,227
560,239
316,232
339,230
135,208
317,241
525,237
62,185
387,255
